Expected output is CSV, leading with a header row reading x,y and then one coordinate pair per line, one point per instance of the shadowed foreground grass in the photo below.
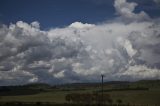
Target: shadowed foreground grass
x,y
65,104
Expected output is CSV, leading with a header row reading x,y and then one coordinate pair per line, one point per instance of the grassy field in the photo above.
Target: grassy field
x,y
128,93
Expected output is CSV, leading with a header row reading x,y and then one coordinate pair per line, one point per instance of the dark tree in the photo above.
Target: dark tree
x,y
119,101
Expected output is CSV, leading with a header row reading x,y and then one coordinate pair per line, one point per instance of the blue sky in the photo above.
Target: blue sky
x,y
59,13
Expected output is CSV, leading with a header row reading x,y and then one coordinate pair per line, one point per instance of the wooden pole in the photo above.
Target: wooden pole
x,y
102,90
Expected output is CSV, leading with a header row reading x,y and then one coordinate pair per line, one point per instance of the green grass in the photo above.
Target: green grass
x,y
51,96
137,97
134,97
57,95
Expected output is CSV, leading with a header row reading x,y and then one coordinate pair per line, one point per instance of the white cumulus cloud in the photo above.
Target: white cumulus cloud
x,y
82,51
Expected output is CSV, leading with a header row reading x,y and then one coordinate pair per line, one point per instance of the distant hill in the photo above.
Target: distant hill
x,y
47,86
28,89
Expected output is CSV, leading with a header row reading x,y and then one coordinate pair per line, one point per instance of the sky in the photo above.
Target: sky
x,y
59,41
60,13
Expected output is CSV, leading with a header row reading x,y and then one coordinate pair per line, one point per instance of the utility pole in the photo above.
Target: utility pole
x,y
102,89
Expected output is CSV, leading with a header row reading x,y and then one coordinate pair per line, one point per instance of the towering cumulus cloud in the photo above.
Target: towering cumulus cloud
x,y
125,10
125,48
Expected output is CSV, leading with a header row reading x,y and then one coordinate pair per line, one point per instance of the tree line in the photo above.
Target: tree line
x,y
88,98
